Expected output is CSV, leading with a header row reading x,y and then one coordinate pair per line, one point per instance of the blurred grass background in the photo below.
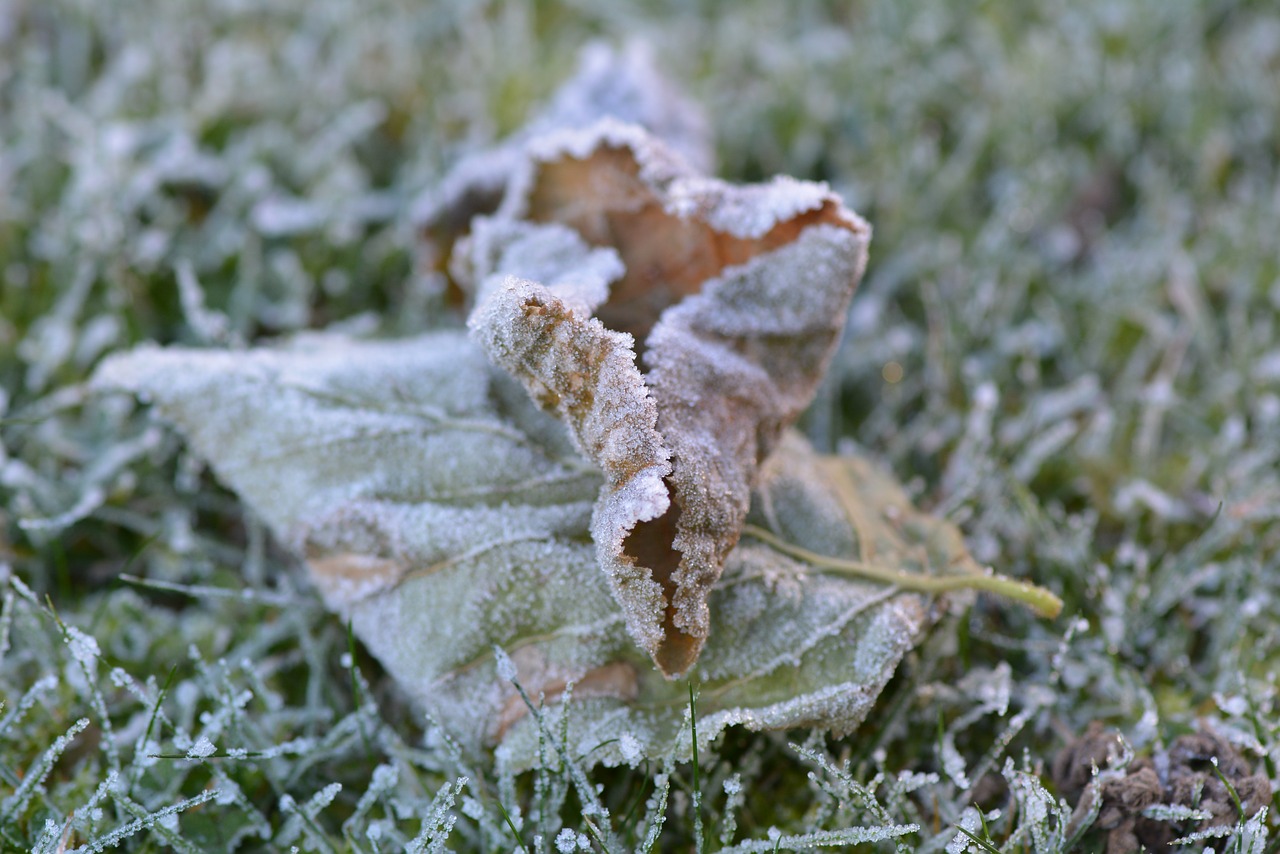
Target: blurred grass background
x,y
1067,342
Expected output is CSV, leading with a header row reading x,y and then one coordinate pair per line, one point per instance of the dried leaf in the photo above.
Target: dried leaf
x,y
444,514
733,296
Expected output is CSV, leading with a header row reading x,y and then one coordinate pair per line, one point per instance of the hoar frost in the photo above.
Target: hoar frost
x,y
83,647
201,749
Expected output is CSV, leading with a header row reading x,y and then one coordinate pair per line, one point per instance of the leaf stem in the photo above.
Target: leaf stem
x,y
1040,600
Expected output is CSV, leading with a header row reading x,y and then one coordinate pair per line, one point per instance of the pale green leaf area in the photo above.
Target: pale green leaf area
x,y
441,529
1066,345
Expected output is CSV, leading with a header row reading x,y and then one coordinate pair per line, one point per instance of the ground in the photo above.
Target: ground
x,y
1067,342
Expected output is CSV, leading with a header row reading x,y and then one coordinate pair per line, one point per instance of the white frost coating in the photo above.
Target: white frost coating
x,y
1036,804
566,841
209,325
795,290
472,808
752,211
365,546
551,254
201,749
630,749
748,212
656,164
505,667
953,763
280,216
83,647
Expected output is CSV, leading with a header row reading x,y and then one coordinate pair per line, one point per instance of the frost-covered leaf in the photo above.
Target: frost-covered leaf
x,y
446,515
609,247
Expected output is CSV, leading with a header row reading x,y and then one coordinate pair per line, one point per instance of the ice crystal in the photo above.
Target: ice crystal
x,y
630,750
84,648
566,841
202,749
505,668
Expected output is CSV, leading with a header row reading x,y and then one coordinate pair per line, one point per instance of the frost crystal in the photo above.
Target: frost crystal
x,y
504,665
566,840
201,749
969,820
472,808
630,749
84,648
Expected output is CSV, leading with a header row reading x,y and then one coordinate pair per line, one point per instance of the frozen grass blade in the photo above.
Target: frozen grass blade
x,y
139,768
438,821
515,831
732,803
6,613
1231,790
656,814
203,591
357,689
383,780
591,806
978,840
39,770
306,816
42,686
149,821
825,838
51,840
697,782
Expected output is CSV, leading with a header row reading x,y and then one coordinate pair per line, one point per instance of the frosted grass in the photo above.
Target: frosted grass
x,y
1073,274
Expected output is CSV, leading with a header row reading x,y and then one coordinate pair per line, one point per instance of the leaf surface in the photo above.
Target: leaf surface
x,y
443,513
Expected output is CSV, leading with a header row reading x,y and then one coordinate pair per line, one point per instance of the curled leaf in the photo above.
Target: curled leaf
x,y
733,297
641,340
